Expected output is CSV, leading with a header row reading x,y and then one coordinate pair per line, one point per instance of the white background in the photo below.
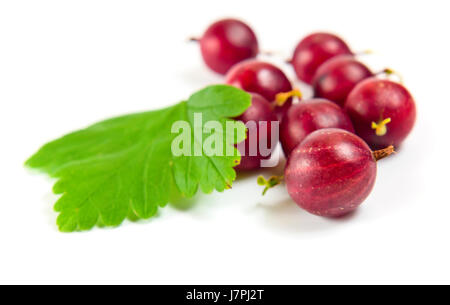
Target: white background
x,y
67,64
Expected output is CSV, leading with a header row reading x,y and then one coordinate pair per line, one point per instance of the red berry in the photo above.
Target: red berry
x,y
308,116
383,112
313,51
262,78
331,172
336,78
259,111
227,42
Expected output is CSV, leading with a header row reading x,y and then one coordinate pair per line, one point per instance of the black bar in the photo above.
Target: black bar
x,y
226,294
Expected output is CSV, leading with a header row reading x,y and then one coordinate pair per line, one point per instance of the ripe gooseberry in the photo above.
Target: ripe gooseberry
x,y
383,112
265,79
335,79
332,172
227,42
308,116
313,51
251,152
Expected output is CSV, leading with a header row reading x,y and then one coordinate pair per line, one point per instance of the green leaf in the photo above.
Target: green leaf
x,y
125,168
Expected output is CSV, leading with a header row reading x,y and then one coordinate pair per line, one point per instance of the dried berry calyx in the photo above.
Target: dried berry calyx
x,y
380,127
281,98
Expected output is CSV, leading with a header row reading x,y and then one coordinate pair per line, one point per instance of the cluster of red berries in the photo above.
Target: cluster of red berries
x,y
328,140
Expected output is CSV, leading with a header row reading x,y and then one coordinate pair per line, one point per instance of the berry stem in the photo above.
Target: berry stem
x,y
269,183
383,153
193,39
364,52
267,53
389,72
282,97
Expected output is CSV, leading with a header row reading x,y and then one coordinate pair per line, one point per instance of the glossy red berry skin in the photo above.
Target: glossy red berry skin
x,y
313,51
259,111
308,116
374,100
226,43
262,78
331,172
336,78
